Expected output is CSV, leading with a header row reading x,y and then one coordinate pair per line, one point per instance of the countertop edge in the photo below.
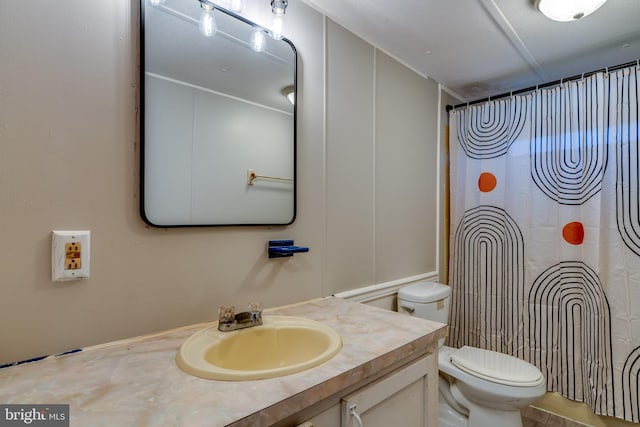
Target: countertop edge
x,y
341,384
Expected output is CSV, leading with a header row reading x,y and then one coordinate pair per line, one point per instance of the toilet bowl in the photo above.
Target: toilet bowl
x,y
477,387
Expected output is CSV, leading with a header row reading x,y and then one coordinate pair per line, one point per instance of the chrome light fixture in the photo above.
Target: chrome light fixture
x,y
278,9
567,10
207,23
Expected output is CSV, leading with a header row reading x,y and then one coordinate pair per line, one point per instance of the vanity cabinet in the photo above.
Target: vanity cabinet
x,y
407,396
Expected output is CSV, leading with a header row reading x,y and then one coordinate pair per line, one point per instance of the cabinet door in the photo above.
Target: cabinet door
x,y
407,397
328,418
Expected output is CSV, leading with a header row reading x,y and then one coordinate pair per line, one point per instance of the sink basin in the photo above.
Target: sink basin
x,y
282,345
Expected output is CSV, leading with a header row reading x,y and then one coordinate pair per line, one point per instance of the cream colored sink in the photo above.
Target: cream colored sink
x,y
282,345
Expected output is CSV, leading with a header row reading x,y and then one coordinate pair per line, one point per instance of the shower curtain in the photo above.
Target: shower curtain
x,y
545,235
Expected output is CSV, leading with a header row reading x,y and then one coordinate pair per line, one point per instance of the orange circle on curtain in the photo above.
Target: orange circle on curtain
x,y
487,182
573,233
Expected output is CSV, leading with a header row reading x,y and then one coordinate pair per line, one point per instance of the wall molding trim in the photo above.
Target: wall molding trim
x,y
380,290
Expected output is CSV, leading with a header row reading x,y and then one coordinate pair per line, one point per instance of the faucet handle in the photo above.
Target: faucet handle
x,y
226,313
255,306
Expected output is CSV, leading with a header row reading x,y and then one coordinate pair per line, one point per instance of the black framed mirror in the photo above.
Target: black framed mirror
x,y
218,118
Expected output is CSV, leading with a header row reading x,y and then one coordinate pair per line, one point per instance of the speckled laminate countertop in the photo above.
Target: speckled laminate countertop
x,y
136,382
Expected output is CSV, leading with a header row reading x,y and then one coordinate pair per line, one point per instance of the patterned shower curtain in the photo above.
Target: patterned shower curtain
x,y
545,235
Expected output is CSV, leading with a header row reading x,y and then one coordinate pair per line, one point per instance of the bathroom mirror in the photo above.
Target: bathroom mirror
x,y
218,118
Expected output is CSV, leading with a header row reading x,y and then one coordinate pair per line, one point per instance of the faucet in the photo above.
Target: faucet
x,y
228,320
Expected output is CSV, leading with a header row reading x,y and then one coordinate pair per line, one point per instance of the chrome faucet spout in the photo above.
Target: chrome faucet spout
x,y
249,317
246,319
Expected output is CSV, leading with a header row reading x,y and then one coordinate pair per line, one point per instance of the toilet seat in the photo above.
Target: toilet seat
x,y
496,367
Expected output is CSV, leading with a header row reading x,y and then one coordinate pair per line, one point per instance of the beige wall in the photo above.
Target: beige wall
x,y
68,160
381,166
350,118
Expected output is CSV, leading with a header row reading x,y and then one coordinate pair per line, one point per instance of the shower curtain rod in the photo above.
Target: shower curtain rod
x,y
553,83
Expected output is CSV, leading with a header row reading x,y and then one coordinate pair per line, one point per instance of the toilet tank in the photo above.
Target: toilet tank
x,y
427,300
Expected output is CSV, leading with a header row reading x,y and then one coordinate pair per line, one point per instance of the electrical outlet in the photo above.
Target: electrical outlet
x,y
70,255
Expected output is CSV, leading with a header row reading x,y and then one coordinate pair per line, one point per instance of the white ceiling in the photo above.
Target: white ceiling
x,y
480,48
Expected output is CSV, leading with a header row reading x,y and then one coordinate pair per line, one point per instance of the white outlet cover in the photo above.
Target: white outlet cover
x,y
58,240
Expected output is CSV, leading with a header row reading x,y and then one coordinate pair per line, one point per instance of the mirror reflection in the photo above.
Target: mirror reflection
x,y
218,109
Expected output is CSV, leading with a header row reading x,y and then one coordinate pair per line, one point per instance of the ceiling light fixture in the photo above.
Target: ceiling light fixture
x,y
207,23
278,9
567,10
290,93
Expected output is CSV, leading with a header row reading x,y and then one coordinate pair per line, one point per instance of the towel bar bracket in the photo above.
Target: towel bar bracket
x,y
284,248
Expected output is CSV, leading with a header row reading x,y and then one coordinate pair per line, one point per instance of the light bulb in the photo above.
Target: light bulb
x,y
258,40
276,27
207,24
238,6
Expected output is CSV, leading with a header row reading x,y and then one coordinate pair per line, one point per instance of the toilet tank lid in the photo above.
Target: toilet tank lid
x,y
424,292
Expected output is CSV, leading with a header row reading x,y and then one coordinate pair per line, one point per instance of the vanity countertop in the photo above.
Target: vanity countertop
x,y
136,382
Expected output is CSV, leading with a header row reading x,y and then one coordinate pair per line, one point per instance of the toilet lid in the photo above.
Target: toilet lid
x,y
496,367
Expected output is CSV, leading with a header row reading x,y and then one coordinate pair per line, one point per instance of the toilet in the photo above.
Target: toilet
x,y
477,387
